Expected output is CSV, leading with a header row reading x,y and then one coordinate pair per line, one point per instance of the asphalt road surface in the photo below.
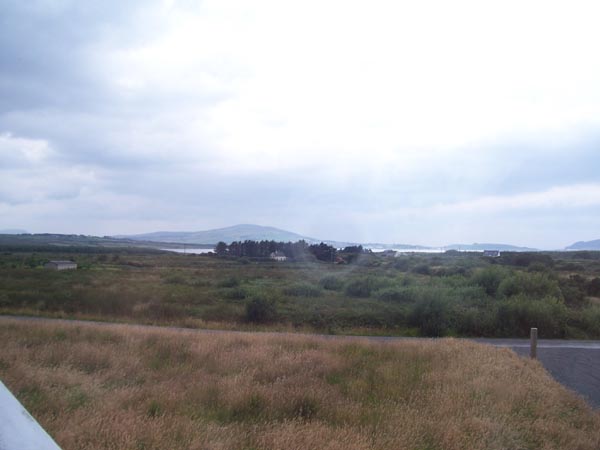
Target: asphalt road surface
x,y
575,364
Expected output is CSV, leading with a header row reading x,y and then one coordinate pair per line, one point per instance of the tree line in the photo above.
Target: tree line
x,y
300,250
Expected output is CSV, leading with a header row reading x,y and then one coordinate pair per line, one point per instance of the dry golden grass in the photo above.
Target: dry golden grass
x,y
122,387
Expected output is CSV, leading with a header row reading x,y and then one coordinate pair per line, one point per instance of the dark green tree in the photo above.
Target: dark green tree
x,y
221,248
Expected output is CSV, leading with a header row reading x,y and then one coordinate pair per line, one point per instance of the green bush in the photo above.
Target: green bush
x,y
235,293
402,264
164,311
525,259
302,289
260,310
573,290
405,280
364,286
535,285
448,271
432,316
538,267
489,279
422,269
175,279
229,282
517,315
475,322
397,294
4,300
221,312
593,288
331,283
586,320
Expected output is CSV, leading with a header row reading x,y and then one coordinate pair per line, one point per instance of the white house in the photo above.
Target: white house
x,y
60,265
278,256
491,253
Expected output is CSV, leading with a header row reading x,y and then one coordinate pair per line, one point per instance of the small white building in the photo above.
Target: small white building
x,y
491,253
60,265
278,256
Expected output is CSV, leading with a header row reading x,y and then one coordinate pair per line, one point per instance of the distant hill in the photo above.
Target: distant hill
x,y
486,246
379,246
48,240
229,234
208,238
252,232
259,233
585,245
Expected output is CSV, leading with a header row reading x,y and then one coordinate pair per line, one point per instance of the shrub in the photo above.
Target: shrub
x,y
431,316
4,300
402,264
229,282
175,279
221,312
304,408
573,290
571,267
535,285
422,269
476,321
588,321
448,271
368,260
489,279
517,315
235,293
154,409
525,259
406,280
302,289
537,267
397,294
364,286
594,287
261,310
331,283
164,311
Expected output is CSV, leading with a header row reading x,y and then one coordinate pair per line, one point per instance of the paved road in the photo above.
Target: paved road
x,y
575,364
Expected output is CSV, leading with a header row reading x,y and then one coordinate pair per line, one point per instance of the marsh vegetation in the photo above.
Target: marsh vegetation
x,y
452,294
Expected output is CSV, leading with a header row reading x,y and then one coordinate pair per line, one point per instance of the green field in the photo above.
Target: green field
x,y
452,294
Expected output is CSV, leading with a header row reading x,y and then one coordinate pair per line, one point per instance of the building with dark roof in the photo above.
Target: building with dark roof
x,y
60,265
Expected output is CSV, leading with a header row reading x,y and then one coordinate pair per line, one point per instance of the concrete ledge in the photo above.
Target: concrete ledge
x,y
18,429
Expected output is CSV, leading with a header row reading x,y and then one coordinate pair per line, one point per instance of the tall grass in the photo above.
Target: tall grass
x,y
121,387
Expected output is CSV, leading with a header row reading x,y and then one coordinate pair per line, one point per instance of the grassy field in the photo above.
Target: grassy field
x,y
454,294
117,387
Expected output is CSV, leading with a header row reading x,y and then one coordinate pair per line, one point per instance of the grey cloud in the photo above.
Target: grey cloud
x,y
53,87
126,160
52,53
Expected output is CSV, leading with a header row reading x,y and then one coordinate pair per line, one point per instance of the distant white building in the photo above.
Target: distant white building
x,y
278,256
491,253
60,265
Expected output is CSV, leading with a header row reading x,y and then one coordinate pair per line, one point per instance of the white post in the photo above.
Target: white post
x,y
533,344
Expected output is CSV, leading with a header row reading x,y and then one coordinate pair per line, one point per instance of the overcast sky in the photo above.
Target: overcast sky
x,y
423,122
